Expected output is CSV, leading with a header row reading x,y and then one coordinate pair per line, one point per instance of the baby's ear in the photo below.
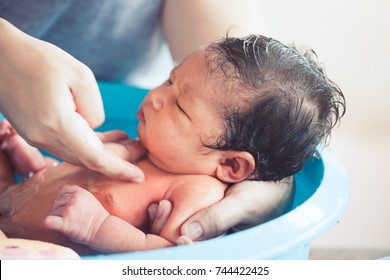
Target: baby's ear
x,y
235,166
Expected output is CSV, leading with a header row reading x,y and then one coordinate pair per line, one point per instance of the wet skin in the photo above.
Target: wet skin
x,y
24,206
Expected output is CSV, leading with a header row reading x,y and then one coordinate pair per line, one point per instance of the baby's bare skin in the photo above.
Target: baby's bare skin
x,y
24,206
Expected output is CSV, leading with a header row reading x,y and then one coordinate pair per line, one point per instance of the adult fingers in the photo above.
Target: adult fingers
x,y
87,97
212,221
24,158
245,204
90,152
6,172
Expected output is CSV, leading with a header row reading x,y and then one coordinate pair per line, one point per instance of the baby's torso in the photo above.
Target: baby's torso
x,y
26,205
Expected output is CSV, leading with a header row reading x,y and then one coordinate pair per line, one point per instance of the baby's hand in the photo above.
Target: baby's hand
x,y
77,214
119,143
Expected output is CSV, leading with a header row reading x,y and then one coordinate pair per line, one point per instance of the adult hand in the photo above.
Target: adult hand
x,y
246,204
21,157
53,101
16,155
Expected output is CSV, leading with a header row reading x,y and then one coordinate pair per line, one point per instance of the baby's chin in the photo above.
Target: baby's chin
x,y
157,162
163,166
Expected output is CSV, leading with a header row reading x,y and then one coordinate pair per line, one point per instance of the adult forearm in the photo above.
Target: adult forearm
x,y
192,23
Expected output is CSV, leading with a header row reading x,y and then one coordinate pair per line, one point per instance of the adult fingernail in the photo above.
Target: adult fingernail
x,y
136,176
194,230
139,179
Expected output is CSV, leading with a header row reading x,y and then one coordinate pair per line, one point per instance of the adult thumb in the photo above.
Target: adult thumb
x,y
212,221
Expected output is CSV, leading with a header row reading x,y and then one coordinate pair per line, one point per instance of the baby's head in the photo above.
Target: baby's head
x,y
240,108
278,104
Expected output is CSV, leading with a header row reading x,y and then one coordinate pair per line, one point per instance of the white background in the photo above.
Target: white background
x,y
352,39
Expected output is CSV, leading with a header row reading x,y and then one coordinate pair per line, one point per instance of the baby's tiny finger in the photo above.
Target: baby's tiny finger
x,y
152,211
112,136
164,210
62,200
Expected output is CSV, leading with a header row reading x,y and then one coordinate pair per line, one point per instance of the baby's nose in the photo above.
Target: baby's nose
x,y
157,100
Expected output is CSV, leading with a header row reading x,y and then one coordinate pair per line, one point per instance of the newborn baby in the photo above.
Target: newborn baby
x,y
238,109
25,206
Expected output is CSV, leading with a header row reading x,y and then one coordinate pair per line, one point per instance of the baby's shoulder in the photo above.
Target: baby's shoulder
x,y
196,185
198,180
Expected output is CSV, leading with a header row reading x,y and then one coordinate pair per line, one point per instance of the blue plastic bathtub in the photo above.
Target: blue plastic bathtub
x,y
322,194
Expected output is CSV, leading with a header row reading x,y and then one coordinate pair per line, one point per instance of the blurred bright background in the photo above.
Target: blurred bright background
x,y
352,40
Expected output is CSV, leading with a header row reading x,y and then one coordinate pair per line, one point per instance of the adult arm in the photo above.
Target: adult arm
x,y
193,23
53,101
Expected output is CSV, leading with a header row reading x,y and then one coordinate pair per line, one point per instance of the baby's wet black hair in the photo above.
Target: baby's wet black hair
x,y
280,105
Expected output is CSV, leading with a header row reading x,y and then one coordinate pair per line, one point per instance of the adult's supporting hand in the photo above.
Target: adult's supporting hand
x,y
24,159
53,101
246,204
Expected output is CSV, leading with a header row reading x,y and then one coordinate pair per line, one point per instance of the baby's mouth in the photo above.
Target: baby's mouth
x,y
141,116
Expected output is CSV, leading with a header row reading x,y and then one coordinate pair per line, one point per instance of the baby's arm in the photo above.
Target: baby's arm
x,y
77,214
80,216
189,195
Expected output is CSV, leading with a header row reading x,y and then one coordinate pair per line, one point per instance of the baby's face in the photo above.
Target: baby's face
x,y
178,117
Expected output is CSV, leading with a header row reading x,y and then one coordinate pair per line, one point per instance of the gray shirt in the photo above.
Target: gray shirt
x,y
120,40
